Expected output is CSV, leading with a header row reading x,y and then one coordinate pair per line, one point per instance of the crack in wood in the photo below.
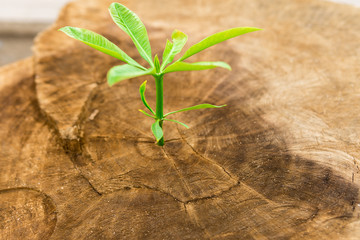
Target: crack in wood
x,y
181,201
205,158
72,148
91,185
181,177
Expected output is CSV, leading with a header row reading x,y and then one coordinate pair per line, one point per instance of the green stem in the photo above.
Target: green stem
x,y
159,103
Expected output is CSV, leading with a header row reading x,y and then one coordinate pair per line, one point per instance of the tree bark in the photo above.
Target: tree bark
x,y
281,161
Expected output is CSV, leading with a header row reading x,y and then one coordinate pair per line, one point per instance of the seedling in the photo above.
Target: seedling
x,y
131,24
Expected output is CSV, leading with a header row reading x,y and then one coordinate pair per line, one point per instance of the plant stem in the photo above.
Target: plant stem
x,y
159,103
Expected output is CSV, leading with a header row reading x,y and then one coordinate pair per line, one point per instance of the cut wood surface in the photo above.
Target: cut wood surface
x,y
281,161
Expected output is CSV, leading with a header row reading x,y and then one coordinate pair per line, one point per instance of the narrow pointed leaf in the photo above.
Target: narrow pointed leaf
x,y
142,95
183,66
100,43
168,47
130,23
172,120
172,48
157,131
215,39
157,63
142,111
200,106
123,72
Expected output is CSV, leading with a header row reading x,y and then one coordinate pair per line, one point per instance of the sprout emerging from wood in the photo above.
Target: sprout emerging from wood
x,y
130,23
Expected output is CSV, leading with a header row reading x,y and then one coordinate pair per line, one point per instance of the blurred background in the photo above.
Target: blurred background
x,y
21,20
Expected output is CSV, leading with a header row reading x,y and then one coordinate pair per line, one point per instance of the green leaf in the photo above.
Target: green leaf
x,y
130,23
100,43
183,66
168,47
172,120
172,48
157,63
123,72
142,95
142,111
157,130
200,106
215,39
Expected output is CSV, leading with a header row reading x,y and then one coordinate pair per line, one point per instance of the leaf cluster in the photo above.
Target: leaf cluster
x,y
131,24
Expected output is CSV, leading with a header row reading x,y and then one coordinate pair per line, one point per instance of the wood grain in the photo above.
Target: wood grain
x,y
281,161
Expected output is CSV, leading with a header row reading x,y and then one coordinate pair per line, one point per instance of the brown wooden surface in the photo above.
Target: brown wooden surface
x,y
281,161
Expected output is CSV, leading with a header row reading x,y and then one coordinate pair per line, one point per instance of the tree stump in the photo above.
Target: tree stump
x,y
281,161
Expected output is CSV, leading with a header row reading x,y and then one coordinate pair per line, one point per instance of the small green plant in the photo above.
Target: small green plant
x,y
130,23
